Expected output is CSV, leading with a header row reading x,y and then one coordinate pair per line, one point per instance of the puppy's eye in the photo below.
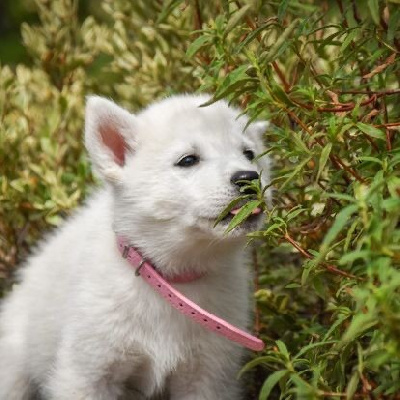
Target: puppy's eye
x,y
249,154
188,161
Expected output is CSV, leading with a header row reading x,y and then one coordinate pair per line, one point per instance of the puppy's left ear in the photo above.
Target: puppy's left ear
x,y
109,136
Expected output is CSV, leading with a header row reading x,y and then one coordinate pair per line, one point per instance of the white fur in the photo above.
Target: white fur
x,y
81,326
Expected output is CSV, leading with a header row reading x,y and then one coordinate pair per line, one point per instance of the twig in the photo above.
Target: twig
x,y
329,267
198,21
340,4
348,169
387,125
337,394
355,12
377,92
335,270
340,107
387,131
298,247
281,76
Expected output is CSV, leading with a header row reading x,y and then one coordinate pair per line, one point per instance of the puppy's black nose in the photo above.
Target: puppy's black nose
x,y
239,176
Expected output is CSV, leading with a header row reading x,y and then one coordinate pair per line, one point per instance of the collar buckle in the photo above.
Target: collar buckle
x,y
137,272
125,254
126,251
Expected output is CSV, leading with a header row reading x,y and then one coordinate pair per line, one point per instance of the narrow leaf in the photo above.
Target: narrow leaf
x,y
371,131
269,384
228,208
350,37
311,346
340,221
295,172
244,212
352,386
260,360
374,9
282,10
236,17
359,324
323,159
282,348
197,45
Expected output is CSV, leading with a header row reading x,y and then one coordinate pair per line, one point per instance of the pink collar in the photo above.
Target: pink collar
x,y
182,303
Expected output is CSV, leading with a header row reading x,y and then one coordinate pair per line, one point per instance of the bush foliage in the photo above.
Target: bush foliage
x,y
326,73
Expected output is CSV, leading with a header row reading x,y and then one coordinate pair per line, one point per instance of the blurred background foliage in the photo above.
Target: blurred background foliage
x,y
326,73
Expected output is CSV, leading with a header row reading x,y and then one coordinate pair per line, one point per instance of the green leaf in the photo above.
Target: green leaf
x,y
283,40
236,17
374,9
292,286
282,9
234,80
294,173
260,360
394,22
271,381
371,159
252,35
371,131
340,222
391,205
197,45
323,159
168,8
359,324
309,265
336,324
311,346
349,38
244,212
341,196
292,214
354,255
281,96
228,208
282,348
296,137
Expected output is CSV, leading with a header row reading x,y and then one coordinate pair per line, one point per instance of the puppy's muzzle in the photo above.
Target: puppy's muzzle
x,y
239,179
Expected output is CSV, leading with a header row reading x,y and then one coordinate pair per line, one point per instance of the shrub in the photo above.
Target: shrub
x,y
327,75
328,279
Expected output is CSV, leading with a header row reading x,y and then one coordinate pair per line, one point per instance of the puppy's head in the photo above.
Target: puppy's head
x,y
175,166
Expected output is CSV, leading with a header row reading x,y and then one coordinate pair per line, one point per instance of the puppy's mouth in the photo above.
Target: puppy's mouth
x,y
253,217
236,211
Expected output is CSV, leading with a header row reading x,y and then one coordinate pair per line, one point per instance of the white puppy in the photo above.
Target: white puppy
x,y
81,325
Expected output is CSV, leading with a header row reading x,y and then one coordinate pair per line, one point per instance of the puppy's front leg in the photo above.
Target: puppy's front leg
x,y
212,377
83,370
72,383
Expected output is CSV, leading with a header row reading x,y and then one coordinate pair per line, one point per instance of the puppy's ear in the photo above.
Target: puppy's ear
x,y
109,136
257,129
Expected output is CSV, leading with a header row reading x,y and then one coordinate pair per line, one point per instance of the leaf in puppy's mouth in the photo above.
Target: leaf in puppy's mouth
x,y
227,211
238,210
252,207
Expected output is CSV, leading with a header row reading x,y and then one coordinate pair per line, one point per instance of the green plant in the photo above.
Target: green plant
x,y
327,76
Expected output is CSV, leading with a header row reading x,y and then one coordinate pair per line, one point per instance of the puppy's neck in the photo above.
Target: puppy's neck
x,y
185,253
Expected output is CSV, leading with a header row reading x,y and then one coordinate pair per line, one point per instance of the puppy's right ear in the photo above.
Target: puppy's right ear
x,y
109,136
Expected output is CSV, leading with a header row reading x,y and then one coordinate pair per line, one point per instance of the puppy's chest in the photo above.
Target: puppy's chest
x,y
158,325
